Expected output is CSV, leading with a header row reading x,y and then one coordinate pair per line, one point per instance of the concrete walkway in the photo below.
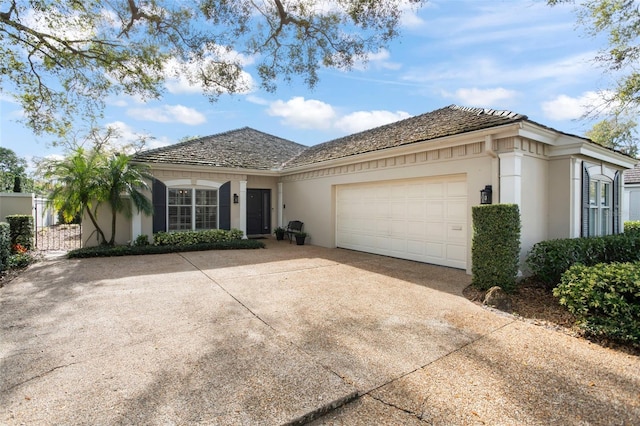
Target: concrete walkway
x,y
284,335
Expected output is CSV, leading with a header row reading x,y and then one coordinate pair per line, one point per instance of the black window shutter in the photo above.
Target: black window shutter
x,y
159,195
585,201
616,203
224,197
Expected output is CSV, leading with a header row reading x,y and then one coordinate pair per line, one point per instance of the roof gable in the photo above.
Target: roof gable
x,y
448,121
244,148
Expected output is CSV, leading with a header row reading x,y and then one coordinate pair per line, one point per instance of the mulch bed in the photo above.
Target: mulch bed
x,y
534,303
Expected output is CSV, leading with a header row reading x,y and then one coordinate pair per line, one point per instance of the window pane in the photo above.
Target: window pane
x,y
605,221
206,217
206,197
593,222
593,193
605,194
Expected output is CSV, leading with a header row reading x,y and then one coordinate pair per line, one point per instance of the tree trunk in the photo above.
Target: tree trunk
x,y
95,224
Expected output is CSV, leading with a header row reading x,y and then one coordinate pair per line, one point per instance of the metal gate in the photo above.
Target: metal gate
x,y
51,235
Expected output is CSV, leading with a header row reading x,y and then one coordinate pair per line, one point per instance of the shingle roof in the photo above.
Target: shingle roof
x,y
244,148
632,175
451,120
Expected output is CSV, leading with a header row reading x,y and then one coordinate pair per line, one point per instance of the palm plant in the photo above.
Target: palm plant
x,y
125,179
76,184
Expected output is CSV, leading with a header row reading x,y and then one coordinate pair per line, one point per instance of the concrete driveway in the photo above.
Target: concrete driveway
x,y
287,335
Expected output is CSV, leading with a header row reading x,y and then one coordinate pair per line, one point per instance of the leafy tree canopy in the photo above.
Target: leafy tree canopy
x,y
61,58
13,174
619,20
617,133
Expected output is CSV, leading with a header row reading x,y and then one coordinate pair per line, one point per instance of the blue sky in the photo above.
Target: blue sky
x,y
522,56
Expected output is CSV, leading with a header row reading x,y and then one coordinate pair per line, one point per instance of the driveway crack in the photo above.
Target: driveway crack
x,y
39,376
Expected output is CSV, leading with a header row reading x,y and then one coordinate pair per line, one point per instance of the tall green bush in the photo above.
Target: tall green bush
x,y
495,251
21,230
547,260
5,245
605,298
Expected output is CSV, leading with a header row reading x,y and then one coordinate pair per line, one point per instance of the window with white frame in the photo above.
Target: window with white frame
x,y
600,208
192,209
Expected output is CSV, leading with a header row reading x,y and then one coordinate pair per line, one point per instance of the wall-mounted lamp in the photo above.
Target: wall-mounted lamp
x,y
486,195
235,199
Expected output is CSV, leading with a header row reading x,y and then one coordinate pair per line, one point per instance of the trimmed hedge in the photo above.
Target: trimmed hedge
x,y
495,251
107,251
196,237
605,299
547,260
632,226
5,245
21,230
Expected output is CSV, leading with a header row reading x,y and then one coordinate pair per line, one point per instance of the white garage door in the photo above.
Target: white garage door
x,y
419,219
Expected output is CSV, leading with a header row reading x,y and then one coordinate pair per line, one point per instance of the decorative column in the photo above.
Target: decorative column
x,y
280,204
511,178
136,225
243,207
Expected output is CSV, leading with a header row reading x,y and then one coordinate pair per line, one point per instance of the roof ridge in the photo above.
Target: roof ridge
x,y
498,113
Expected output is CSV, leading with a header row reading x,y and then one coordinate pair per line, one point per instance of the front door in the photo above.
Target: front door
x,y
258,211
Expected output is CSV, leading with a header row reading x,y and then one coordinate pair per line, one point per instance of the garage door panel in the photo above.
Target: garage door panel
x,y
420,219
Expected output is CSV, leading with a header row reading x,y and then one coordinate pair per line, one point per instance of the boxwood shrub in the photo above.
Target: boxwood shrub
x,y
605,298
5,245
196,237
547,260
495,250
107,251
21,230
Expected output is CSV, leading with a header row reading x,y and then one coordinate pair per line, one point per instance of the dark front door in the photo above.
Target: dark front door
x,y
258,211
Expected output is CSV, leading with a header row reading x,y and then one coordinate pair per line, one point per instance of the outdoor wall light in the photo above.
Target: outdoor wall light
x,y
485,195
235,198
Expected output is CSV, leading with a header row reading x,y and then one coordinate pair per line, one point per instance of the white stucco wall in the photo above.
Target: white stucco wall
x,y
310,197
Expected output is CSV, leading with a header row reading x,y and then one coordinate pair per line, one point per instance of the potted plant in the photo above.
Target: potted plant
x,y
300,237
279,231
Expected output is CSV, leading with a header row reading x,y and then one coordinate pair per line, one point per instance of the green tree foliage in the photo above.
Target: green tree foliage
x,y
61,58
85,179
13,175
615,133
619,20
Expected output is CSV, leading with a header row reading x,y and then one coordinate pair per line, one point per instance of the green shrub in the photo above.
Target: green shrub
x,y
19,260
605,299
495,251
632,227
5,245
141,240
21,230
108,251
196,237
547,260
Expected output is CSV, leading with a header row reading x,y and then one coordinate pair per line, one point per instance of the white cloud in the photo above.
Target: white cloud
x,y
314,114
169,114
565,107
410,17
363,120
257,100
482,97
303,114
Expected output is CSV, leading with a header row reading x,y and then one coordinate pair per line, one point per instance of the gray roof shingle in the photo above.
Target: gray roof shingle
x,y
243,148
632,176
451,120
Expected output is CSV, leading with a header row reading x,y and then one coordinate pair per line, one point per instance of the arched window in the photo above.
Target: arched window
x,y
600,202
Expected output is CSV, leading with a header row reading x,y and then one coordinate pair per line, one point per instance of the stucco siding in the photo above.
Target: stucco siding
x,y
15,203
310,197
558,211
533,210
103,217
